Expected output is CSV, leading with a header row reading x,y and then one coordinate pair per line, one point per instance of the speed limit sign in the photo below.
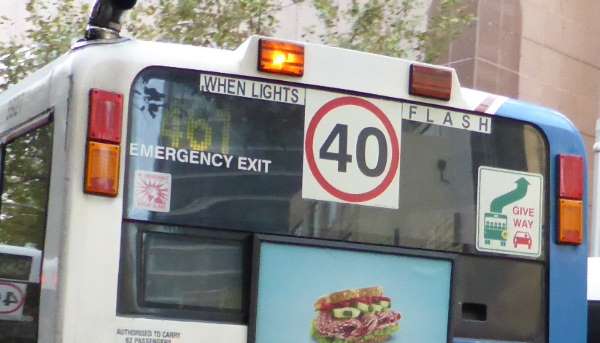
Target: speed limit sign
x,y
351,149
12,299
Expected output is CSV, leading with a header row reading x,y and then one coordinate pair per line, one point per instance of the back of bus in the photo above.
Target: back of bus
x,y
236,204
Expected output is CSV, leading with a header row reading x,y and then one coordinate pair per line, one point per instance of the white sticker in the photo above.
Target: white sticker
x,y
251,89
153,335
152,191
509,212
12,299
442,117
351,149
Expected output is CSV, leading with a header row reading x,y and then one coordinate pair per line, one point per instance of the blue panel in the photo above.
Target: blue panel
x,y
568,264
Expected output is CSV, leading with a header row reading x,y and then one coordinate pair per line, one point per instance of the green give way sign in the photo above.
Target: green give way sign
x,y
509,212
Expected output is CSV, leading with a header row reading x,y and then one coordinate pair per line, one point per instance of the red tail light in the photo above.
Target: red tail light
x,y
106,112
570,177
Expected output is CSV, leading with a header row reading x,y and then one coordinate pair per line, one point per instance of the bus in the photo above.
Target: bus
x,y
286,191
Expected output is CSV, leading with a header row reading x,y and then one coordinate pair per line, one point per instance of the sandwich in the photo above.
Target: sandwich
x,y
355,316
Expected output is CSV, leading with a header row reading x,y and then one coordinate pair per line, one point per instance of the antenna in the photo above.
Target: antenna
x,y
105,19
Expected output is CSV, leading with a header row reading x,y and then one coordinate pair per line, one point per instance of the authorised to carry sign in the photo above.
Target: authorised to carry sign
x,y
351,149
509,212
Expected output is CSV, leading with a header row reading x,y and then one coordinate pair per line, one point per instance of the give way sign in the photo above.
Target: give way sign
x,y
351,149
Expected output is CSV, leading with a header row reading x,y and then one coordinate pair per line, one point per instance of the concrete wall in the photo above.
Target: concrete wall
x,y
540,51
560,59
487,55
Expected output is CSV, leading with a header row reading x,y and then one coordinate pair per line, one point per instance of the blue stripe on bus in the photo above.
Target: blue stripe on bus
x,y
568,264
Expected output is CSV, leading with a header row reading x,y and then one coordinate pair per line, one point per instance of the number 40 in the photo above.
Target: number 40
x,y
343,158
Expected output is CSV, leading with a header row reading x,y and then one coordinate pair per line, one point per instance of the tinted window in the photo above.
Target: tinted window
x,y
23,206
25,185
438,169
182,272
593,320
192,271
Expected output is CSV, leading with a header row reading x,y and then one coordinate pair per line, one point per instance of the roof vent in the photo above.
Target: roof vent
x,y
105,20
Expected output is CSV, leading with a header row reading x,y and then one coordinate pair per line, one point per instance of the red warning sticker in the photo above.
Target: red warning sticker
x,y
152,191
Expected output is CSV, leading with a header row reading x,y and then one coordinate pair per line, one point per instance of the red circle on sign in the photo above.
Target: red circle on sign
x,y
21,296
312,164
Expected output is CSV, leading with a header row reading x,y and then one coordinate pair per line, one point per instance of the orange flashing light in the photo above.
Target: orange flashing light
x,y
570,227
280,57
430,82
102,169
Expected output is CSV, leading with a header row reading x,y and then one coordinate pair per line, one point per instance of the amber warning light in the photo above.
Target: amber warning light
x,y
280,57
102,174
430,82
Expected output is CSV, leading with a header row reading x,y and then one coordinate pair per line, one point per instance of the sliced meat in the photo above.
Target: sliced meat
x,y
327,326
387,318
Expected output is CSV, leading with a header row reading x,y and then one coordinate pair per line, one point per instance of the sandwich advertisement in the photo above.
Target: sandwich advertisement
x,y
308,294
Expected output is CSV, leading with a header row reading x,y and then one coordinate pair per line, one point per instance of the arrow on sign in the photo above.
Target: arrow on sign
x,y
516,194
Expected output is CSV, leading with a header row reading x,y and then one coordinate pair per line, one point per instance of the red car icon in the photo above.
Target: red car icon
x,y
522,238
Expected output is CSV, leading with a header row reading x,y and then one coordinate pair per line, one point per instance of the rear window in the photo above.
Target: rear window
x,y
182,140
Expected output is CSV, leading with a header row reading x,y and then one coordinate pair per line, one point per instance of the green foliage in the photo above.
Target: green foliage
x,y
389,27
25,188
448,21
397,28
53,25
214,23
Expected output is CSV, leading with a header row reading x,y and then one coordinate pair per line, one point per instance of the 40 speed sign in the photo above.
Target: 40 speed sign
x,y
351,149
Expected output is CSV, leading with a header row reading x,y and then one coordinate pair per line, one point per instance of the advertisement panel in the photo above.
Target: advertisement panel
x,y
307,294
